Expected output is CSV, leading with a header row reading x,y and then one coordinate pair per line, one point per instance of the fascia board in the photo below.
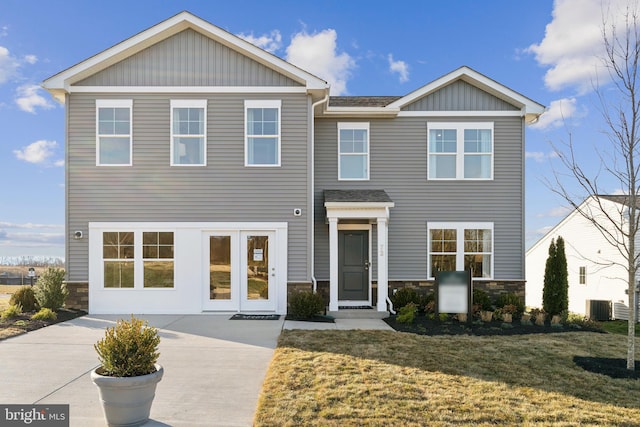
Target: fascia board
x,y
360,112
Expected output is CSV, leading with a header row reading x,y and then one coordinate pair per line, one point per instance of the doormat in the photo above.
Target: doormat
x,y
255,317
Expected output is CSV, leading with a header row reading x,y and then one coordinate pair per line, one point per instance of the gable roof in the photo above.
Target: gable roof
x,y
61,83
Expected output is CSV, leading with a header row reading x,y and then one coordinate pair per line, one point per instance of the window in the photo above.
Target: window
x,y
157,254
118,257
188,132
460,150
583,275
461,246
113,132
262,133
353,151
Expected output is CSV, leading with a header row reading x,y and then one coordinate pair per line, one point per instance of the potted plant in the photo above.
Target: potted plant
x,y
507,312
128,374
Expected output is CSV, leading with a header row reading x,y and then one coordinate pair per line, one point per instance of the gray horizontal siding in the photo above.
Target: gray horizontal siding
x,y
224,190
188,59
398,159
460,96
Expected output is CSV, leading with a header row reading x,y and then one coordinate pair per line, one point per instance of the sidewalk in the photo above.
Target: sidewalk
x,y
214,367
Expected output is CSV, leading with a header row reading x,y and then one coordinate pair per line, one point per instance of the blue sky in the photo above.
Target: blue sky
x,y
546,50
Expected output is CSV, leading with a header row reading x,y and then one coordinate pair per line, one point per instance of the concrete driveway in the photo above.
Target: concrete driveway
x,y
214,368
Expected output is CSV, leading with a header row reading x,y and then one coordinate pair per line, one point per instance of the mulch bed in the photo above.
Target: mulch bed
x,y
23,323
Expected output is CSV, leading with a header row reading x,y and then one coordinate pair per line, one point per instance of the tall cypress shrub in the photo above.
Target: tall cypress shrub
x,y
562,276
549,278
555,293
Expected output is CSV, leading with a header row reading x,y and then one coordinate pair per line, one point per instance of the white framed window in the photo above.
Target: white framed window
x,y
460,150
118,255
582,275
262,133
458,246
157,257
114,132
188,132
353,151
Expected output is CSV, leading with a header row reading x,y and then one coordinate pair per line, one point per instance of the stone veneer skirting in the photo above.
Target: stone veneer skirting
x,y
78,298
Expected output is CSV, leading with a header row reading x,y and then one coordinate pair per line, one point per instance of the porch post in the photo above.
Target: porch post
x,y
383,275
333,264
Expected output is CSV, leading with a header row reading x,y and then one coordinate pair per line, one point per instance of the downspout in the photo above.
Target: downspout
x,y
313,190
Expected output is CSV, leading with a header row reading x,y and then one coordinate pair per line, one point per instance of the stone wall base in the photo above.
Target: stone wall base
x,y
78,298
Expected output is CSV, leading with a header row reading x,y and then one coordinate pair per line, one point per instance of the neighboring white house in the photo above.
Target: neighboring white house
x,y
596,267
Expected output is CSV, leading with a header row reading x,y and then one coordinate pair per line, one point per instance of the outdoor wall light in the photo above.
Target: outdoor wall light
x,y
297,212
77,235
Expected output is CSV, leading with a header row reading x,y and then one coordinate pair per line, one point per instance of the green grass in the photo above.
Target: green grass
x,y
619,327
381,378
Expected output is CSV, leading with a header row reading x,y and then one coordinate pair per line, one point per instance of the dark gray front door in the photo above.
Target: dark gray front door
x,y
353,265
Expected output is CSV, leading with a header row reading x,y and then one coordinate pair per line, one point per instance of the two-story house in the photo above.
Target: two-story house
x,y
205,174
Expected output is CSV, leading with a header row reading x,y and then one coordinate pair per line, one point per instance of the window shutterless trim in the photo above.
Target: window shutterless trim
x,y
188,103
354,126
263,104
114,103
460,127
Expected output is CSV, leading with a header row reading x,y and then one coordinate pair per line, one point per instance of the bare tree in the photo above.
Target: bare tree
x,y
621,162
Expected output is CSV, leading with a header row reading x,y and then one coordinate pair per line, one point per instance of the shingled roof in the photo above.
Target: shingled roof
x,y
358,196
361,101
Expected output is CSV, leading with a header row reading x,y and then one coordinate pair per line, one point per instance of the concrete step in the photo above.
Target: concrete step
x,y
358,313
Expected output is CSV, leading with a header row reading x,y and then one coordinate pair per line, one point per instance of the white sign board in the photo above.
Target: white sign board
x,y
453,298
257,255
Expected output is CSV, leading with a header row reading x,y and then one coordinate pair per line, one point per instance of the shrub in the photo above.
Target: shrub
x,y
306,304
510,299
555,292
129,349
404,296
579,321
11,312
25,297
45,314
407,313
481,298
50,289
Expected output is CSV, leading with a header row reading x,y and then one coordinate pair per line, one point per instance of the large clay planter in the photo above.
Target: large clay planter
x,y
507,317
126,401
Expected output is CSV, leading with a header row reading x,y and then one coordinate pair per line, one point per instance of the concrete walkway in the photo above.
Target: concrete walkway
x,y
214,367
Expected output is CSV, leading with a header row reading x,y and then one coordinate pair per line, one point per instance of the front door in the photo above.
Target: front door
x,y
353,266
241,271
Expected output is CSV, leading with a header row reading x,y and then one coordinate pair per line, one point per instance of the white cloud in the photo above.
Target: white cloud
x,y
399,67
572,46
558,211
30,59
38,152
30,226
4,31
28,99
8,65
269,42
317,54
557,113
539,156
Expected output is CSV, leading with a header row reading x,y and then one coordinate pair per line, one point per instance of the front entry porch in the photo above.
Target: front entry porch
x,y
352,215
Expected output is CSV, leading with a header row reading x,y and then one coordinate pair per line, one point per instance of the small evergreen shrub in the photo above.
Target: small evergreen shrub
x,y
407,313
481,298
45,314
578,321
11,312
25,297
129,349
510,299
50,289
306,304
404,296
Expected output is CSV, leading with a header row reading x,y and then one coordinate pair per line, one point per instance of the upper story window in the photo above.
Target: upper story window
x,y
113,132
460,150
456,246
188,132
353,151
582,275
262,133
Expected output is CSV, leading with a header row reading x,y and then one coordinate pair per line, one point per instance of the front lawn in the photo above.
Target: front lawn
x,y
619,327
380,378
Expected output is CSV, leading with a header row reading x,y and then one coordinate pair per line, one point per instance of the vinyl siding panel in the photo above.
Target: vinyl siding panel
x,y
188,59
398,159
460,96
224,190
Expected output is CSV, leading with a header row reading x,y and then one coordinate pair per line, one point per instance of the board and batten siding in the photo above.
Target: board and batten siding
x,y
460,96
188,59
222,191
398,165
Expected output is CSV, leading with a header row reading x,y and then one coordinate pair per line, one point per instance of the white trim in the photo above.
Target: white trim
x,y
355,126
460,154
460,227
464,113
187,89
188,103
360,112
277,104
114,103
